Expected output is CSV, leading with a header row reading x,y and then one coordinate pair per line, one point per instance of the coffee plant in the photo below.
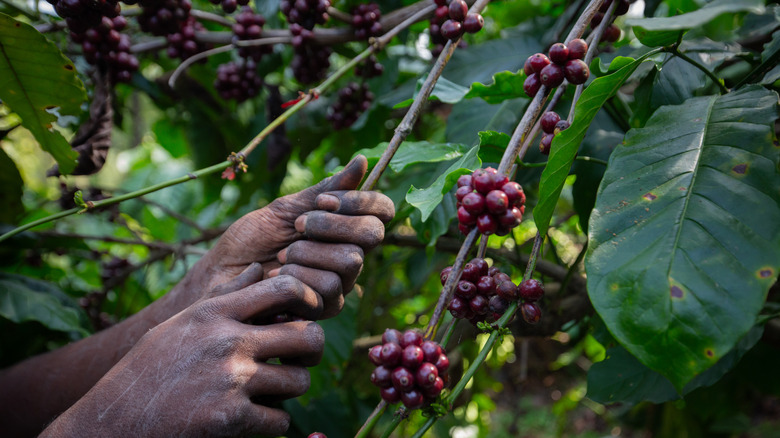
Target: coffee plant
x,y
594,185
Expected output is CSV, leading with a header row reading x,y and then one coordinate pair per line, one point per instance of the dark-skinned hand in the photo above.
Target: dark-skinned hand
x,y
318,235
203,372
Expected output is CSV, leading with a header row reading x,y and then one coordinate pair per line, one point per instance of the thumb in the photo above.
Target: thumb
x,y
347,179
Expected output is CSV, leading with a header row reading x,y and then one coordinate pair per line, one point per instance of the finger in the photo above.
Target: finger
x,y
347,179
282,293
366,231
252,274
342,258
267,421
280,381
325,283
301,341
355,203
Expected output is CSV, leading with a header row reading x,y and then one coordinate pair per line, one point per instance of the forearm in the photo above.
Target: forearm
x,y
38,389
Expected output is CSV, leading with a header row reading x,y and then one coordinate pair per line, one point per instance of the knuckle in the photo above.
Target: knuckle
x,y
290,287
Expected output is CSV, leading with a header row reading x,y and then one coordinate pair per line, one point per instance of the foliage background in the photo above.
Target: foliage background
x,y
550,380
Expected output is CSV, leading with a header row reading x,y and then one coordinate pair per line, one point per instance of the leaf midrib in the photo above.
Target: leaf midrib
x,y
689,193
19,83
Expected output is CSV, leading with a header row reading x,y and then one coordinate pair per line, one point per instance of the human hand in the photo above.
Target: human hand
x,y
320,235
203,372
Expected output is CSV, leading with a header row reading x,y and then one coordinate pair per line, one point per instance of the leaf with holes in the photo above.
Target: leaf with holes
x,y
685,235
36,79
663,31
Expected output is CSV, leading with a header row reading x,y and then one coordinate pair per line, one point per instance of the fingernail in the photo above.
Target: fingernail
x,y
328,202
274,272
300,224
282,256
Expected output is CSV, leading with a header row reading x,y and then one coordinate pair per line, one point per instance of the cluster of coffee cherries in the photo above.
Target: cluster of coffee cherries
x,y
530,292
409,369
551,124
612,32
249,26
163,18
365,20
182,43
482,294
230,6
459,21
490,202
561,62
97,26
353,100
370,68
307,13
238,81
310,62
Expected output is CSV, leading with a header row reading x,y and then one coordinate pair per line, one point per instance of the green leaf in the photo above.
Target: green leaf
x,y
428,198
24,299
685,235
506,85
492,145
11,206
412,152
35,78
444,90
621,378
657,32
565,145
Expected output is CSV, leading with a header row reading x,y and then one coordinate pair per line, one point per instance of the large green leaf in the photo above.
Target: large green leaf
x,y
657,32
565,145
428,198
35,79
412,152
685,235
620,378
444,90
24,299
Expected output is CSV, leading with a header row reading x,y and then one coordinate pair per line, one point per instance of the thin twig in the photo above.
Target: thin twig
x,y
340,15
214,18
154,245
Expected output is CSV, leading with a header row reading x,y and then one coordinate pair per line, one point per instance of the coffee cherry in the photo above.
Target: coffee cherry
x,y
375,355
596,20
538,61
390,395
444,274
381,377
486,224
426,375
551,76
442,364
411,337
531,290
501,277
576,71
482,181
458,10
451,29
496,202
486,286
474,203
412,357
479,304
431,351
622,7
562,126
470,273
577,48
559,53
391,354
531,313
481,265
514,192
548,121
465,289
403,379
493,271
510,219
507,290
441,14
391,335
412,399
461,192
546,143
466,218
435,389
458,308
611,33
473,23
464,181
498,180
532,84
498,305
